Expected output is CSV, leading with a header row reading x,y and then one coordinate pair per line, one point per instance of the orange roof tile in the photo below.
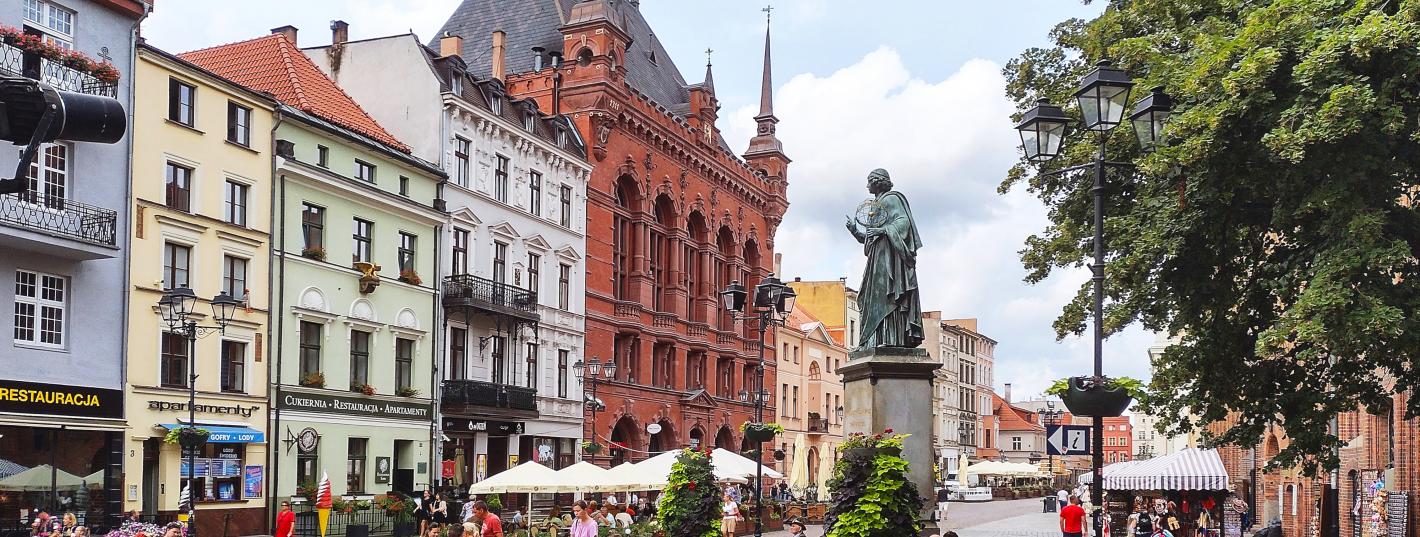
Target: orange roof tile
x,y
1013,418
273,64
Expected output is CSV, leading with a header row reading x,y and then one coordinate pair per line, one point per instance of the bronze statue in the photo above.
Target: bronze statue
x,y
887,299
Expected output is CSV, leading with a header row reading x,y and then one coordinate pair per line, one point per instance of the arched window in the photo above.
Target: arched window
x,y
813,370
1292,491
584,57
660,253
624,237
724,270
694,268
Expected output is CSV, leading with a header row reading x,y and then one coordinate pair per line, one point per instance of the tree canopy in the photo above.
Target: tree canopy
x,y
1275,230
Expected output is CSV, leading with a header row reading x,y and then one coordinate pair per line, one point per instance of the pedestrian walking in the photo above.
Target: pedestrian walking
x,y
286,521
582,523
1062,497
943,495
731,515
492,526
421,512
1072,518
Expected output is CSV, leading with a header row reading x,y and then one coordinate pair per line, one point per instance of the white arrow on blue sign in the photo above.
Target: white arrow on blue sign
x,y
1067,439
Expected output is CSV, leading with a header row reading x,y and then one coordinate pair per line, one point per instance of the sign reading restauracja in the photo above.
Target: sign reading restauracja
x,y
36,398
355,405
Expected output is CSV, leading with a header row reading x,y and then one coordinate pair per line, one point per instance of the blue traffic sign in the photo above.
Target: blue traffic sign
x,y
1067,439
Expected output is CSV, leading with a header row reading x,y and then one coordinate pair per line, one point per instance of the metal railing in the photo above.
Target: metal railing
x,y
467,289
16,62
377,523
817,425
489,394
58,216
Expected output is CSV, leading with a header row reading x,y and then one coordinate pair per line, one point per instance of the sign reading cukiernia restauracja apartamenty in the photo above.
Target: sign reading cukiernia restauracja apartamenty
x,y
356,405
56,400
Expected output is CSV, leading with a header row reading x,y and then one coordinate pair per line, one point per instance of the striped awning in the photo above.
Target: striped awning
x,y
1190,469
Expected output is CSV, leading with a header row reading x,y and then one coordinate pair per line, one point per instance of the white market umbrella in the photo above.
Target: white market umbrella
x,y
657,470
626,478
744,466
825,469
39,479
799,471
584,477
962,469
527,477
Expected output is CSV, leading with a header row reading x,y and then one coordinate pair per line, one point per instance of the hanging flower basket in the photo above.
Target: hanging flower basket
x,y
188,437
1097,396
761,432
591,447
779,455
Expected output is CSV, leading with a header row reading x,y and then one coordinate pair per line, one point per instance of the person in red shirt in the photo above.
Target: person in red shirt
x,y
492,526
1072,519
286,521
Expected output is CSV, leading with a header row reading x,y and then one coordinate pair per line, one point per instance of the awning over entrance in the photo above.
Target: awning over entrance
x,y
225,434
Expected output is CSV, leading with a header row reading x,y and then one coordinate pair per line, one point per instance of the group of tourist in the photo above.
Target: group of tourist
x,y
45,525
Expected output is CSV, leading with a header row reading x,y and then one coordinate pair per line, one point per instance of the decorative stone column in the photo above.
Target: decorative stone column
x,y
891,387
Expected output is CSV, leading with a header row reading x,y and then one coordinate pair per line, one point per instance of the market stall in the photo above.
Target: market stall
x,y
1191,485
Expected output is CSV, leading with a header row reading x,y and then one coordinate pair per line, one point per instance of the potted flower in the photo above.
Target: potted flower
x,y
872,494
760,432
313,252
360,387
407,391
410,277
1097,396
188,437
314,379
591,447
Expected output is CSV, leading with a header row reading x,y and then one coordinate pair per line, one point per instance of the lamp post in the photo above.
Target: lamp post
x,y
591,372
773,300
176,307
1102,97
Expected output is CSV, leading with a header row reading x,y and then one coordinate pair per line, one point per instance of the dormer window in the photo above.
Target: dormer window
x,y
651,55
497,105
561,137
528,119
456,85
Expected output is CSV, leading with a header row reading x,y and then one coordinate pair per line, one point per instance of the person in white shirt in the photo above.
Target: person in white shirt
x,y
623,519
1063,497
610,499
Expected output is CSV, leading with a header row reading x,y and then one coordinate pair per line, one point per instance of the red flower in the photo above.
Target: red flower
x,y
887,430
690,485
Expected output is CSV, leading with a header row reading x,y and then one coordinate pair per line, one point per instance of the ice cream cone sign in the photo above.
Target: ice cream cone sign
x,y
323,502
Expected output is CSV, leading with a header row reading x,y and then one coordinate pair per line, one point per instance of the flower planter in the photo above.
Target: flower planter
x,y
1097,401
759,435
192,438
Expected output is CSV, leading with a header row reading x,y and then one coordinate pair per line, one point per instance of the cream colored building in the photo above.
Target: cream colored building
x,y
201,219
810,398
947,433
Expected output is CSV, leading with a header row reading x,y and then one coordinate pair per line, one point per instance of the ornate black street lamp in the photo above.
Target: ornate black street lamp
x,y
591,373
1102,97
175,308
773,301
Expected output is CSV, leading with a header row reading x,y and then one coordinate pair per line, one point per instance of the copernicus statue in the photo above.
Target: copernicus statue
x,y
887,300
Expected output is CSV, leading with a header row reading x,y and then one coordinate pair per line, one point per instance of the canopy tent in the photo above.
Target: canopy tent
x,y
1109,470
1010,469
655,472
586,477
739,463
1189,469
625,477
527,477
39,479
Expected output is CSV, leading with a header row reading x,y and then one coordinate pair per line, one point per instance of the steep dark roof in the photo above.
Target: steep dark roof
x,y
482,92
535,23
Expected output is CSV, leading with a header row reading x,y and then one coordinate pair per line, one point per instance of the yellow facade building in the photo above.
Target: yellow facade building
x,y
201,219
833,303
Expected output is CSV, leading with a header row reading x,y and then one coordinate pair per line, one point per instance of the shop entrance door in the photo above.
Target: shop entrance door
x,y
403,467
150,476
497,455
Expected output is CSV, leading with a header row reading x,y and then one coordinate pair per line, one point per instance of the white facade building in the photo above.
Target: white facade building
x,y
947,437
513,264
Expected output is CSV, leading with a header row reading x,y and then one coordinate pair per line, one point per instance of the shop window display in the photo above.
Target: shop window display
x,y
59,471
219,472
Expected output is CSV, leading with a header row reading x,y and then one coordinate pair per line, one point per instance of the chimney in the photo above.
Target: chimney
x,y
778,263
339,32
450,45
1007,396
537,58
288,31
500,43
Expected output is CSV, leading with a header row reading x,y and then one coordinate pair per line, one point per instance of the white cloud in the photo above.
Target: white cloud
x,y
947,145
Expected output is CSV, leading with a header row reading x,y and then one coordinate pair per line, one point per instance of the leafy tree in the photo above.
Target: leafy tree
x,y
690,505
1275,231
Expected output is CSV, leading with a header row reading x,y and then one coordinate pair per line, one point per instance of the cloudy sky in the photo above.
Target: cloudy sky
x,y
913,86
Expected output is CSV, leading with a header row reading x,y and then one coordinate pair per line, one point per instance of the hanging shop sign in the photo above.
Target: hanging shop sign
x,y
53,399
455,425
355,405
382,469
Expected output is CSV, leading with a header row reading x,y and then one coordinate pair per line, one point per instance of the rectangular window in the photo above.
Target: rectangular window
x,y
458,353
40,308
308,466
403,363
565,198
407,249
562,357
176,260
179,187
498,365
310,347
460,260
531,359
500,262
461,162
48,177
234,366
236,204
359,359
313,226
238,124
355,465
1015,443
174,361
564,286
784,401
181,101
500,180
234,277
362,237
534,272
322,156
795,402
54,22
535,193
404,186
364,171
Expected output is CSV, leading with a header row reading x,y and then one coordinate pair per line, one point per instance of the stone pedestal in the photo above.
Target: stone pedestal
x,y
891,387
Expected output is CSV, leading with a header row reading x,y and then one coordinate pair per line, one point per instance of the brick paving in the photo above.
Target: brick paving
x,y
1015,518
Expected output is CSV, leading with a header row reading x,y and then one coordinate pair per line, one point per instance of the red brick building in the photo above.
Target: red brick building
x,y
673,214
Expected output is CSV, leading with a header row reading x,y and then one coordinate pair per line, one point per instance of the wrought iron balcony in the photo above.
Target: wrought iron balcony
x,y
816,424
469,291
489,394
59,216
16,62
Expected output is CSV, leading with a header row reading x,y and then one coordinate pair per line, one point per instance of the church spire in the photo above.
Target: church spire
x,y
764,142
766,90
709,76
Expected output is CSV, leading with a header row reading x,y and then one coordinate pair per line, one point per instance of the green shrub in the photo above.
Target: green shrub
x,y
872,496
690,505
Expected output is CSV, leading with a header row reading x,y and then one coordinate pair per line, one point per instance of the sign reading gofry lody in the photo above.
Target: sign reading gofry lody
x,y
53,399
355,405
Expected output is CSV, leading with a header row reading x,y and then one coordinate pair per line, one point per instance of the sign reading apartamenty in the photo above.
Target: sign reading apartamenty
x,y
181,406
53,399
355,405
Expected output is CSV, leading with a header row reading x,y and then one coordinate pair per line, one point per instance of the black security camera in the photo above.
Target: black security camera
x,y
33,112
